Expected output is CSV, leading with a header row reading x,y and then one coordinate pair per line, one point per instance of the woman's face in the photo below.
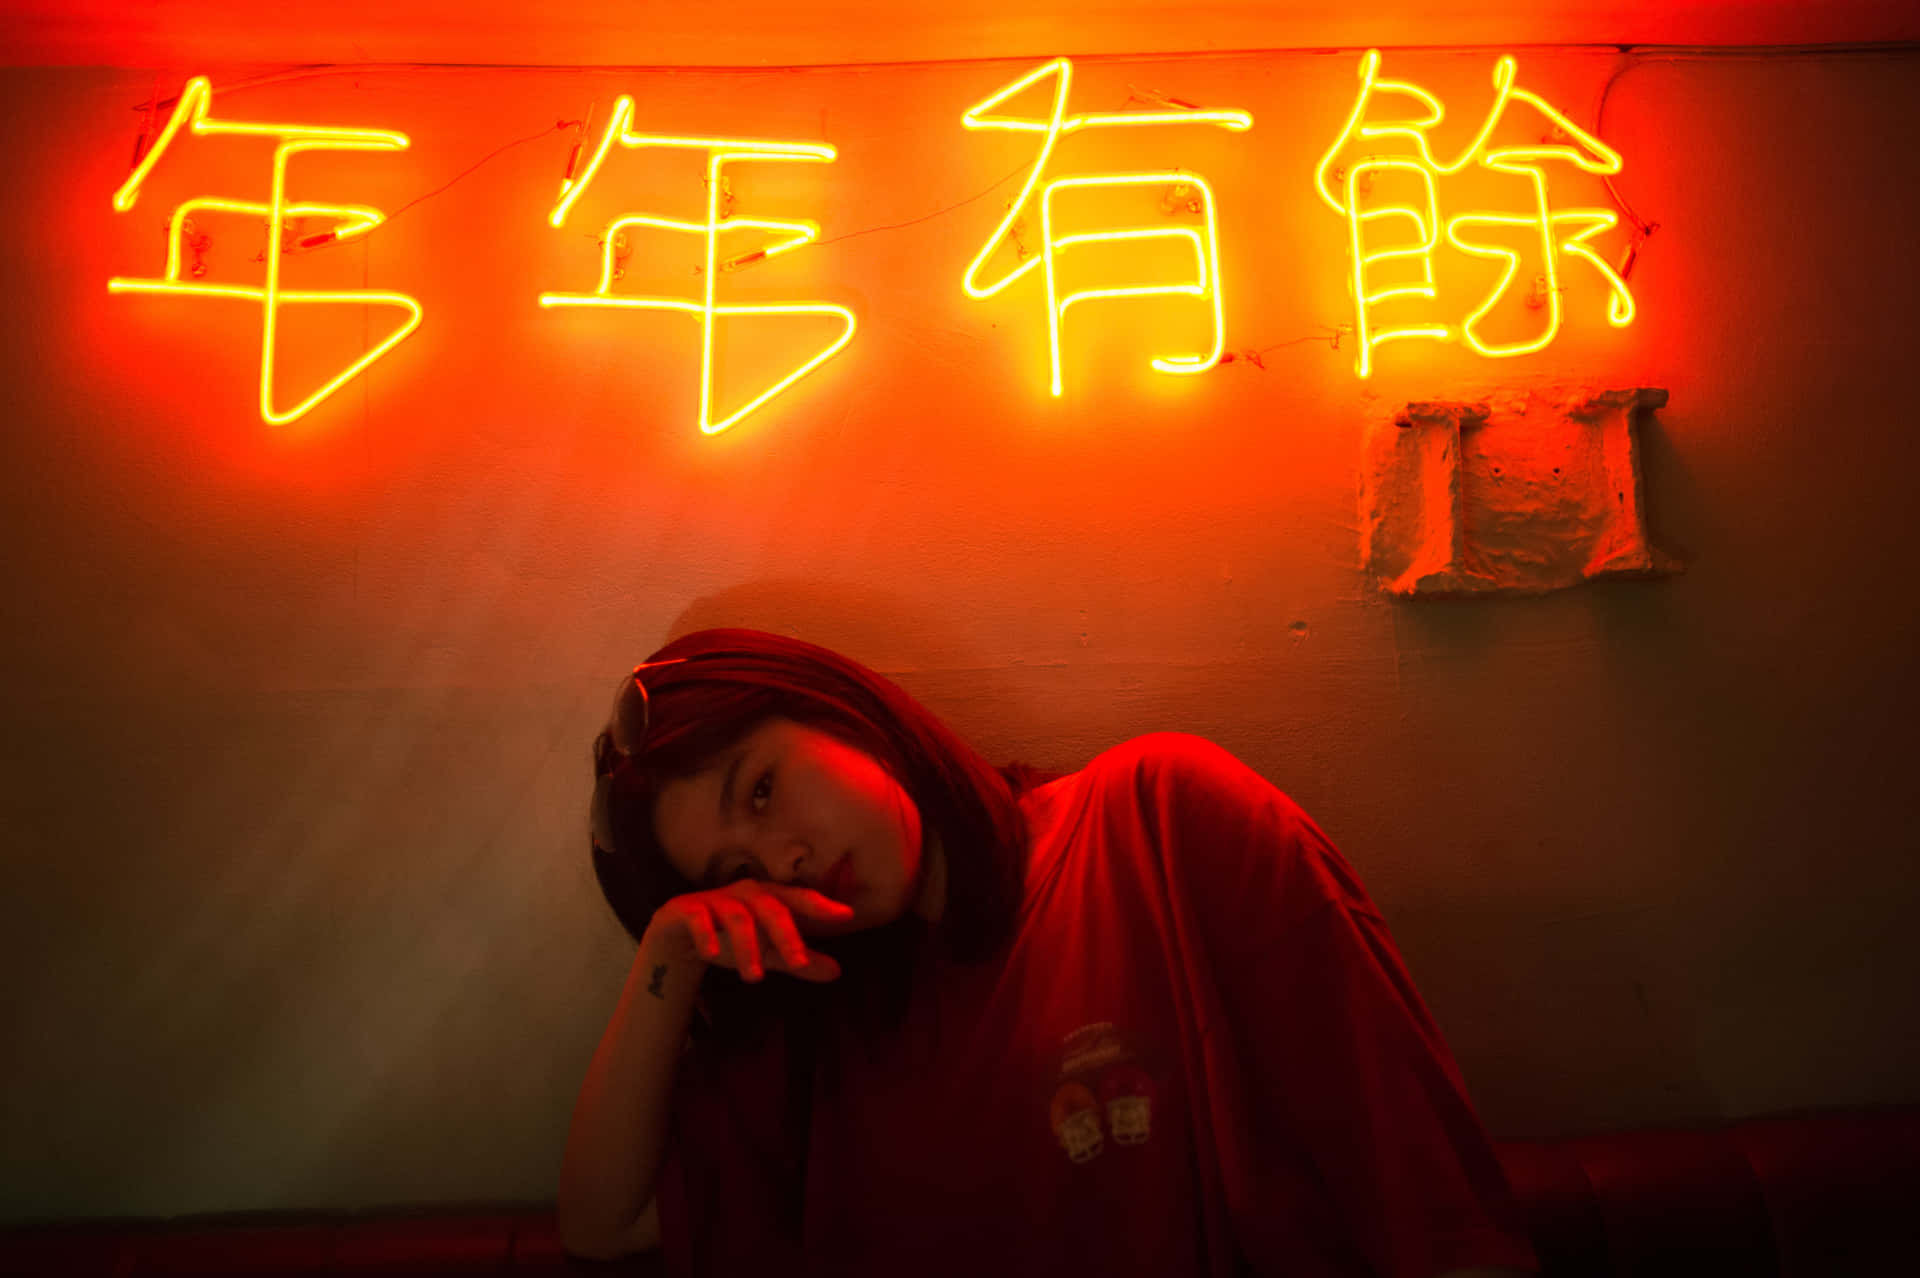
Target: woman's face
x,y
791,804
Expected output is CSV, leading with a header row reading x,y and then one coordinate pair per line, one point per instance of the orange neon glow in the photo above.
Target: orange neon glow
x,y
1205,241
355,220
1564,231
722,151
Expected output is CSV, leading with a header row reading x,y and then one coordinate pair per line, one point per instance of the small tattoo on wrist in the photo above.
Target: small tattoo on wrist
x,y
659,976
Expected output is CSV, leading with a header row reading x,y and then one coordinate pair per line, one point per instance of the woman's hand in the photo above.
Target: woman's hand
x,y
750,924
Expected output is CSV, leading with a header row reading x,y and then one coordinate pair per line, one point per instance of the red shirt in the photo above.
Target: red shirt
x,y
1201,1055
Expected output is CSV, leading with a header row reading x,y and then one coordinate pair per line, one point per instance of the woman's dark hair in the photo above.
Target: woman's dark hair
x,y
730,682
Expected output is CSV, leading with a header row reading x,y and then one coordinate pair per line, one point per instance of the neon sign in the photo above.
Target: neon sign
x,y
1565,231
1204,241
721,152
355,220
1391,242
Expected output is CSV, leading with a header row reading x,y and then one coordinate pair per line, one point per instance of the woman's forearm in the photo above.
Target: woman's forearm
x,y
617,1139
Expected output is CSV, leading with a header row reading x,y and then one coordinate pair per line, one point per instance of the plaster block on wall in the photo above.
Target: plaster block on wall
x,y
1519,495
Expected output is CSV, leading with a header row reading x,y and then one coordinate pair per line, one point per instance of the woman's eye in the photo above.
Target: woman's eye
x,y
762,791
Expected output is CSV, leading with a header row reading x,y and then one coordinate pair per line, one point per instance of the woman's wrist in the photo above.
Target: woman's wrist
x,y
669,944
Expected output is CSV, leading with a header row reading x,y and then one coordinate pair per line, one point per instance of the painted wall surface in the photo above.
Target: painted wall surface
x,y
297,910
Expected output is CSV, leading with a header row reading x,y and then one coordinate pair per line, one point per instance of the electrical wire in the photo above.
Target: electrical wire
x,y
499,150
895,226
1642,229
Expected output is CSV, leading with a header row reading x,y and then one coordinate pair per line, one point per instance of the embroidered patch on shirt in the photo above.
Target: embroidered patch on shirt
x,y
1102,1093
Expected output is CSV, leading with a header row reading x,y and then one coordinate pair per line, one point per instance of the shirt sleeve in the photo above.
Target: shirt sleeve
x,y
1334,1072
726,1186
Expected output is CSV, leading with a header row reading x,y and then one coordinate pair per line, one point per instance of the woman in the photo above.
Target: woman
x,y
895,1011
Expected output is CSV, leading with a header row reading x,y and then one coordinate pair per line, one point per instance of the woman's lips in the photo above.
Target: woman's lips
x,y
839,884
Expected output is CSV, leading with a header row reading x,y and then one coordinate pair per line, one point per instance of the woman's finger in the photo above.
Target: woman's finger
x,y
699,924
738,921
811,905
819,968
778,925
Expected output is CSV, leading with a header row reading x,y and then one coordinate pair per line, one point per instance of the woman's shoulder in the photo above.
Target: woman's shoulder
x,y
1155,770
1155,756
1172,796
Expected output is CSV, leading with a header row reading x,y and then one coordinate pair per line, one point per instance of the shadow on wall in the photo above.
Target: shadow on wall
x,y
984,700
877,627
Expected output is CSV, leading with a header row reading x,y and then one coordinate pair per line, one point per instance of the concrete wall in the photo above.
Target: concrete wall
x,y
296,908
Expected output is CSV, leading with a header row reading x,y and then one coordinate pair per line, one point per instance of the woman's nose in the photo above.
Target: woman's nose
x,y
784,857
